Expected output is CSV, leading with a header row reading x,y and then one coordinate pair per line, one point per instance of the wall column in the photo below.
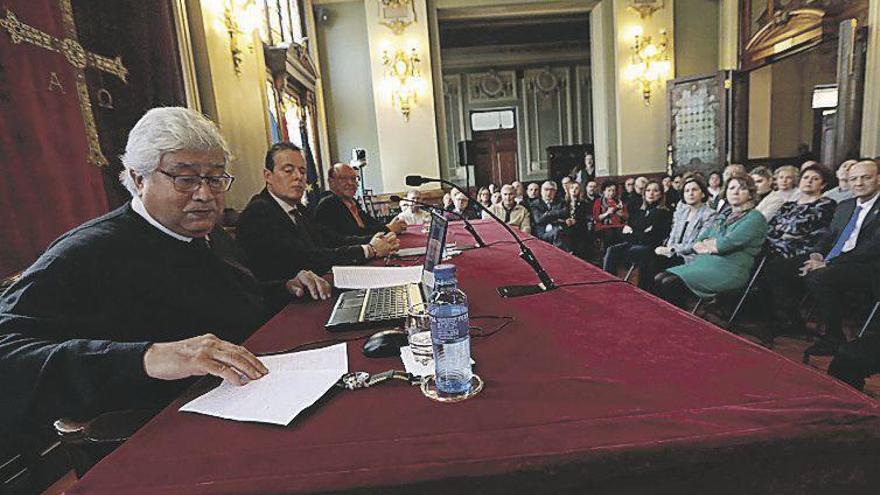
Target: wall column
x,y
602,69
405,147
871,108
641,139
728,34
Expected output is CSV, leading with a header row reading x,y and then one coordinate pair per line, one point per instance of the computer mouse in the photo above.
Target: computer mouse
x,y
386,343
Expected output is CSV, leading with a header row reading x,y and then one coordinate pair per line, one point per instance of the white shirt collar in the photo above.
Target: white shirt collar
x,y
283,204
138,206
867,205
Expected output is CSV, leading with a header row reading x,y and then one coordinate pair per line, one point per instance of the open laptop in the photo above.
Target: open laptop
x,y
387,306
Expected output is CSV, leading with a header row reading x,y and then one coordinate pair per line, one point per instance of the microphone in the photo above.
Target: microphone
x,y
525,253
467,224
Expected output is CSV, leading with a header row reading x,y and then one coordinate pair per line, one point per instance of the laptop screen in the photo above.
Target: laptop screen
x,y
434,250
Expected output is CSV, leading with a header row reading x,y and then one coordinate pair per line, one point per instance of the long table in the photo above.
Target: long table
x,y
591,389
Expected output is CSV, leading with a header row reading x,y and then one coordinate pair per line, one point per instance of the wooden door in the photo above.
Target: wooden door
x,y
495,157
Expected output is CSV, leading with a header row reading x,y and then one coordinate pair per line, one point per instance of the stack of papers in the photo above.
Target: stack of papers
x,y
295,381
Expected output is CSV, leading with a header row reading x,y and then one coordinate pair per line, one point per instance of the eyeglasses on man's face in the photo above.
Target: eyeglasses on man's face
x,y
191,183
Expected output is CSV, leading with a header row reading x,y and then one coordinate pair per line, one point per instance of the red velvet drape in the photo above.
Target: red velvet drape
x,y
47,184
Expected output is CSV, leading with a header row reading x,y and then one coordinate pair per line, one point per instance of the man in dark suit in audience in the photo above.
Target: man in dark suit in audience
x,y
848,258
549,215
119,311
341,212
279,237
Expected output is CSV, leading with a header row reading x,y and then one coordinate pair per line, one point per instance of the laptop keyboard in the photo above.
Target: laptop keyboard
x,y
387,303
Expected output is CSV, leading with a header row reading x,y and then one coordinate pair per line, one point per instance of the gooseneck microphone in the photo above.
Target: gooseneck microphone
x,y
467,224
525,253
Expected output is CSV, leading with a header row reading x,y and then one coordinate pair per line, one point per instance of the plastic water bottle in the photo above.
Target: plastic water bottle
x,y
450,334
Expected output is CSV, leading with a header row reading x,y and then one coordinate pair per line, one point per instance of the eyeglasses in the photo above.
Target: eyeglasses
x,y
353,178
191,183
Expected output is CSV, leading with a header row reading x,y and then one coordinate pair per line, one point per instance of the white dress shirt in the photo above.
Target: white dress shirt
x,y
850,243
138,206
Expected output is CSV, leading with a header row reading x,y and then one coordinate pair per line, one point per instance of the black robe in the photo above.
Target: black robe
x,y
74,328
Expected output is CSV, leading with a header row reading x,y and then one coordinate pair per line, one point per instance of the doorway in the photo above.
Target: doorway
x,y
495,147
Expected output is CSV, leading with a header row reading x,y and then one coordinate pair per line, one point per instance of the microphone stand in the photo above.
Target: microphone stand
x,y
467,224
525,253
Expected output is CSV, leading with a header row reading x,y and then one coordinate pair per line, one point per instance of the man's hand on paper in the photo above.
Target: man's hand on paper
x,y
307,281
203,355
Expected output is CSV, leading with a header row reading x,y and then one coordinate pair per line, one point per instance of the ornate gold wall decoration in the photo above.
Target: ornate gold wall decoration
x,y
645,8
78,57
396,15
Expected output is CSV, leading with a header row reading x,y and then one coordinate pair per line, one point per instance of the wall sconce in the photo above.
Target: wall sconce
x,y
403,78
650,62
239,19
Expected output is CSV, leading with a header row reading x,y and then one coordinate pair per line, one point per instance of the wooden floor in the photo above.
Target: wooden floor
x,y
791,348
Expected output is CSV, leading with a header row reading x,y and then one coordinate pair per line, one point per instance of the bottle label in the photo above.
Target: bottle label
x,y
444,328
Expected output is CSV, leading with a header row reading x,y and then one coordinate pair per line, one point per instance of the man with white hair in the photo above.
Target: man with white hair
x,y
119,311
512,213
461,207
548,215
842,191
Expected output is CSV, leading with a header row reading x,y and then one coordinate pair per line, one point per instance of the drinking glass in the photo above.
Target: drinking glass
x,y
418,330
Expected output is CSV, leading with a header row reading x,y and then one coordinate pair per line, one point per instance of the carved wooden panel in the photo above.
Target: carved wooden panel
x,y
772,29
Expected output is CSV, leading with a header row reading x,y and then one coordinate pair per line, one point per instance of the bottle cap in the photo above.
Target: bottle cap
x,y
444,273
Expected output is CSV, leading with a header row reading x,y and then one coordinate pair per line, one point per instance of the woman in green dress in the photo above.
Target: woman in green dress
x,y
726,249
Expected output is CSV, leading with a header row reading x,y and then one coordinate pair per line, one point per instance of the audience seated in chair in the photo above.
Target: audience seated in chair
x,y
510,212
609,215
719,204
645,229
763,178
714,184
786,180
116,314
548,216
533,194
519,192
341,212
794,233
412,213
841,192
461,207
629,190
634,201
278,235
847,260
671,195
484,196
689,219
578,230
726,249
448,205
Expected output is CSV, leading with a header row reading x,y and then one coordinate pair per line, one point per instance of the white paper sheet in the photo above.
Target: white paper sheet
x,y
295,381
373,277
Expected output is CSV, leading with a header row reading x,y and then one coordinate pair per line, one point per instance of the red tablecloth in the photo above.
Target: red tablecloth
x,y
599,389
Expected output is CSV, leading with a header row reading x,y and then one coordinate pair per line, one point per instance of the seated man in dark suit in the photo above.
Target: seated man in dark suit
x,y
341,212
848,258
548,216
279,237
120,310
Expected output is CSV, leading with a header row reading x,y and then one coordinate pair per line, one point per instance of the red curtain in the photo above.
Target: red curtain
x,y
47,184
